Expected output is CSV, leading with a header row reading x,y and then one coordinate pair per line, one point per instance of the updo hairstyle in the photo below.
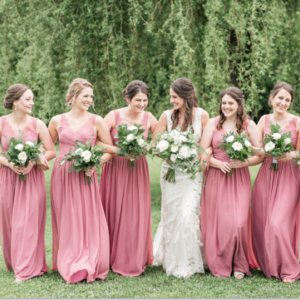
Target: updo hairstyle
x,y
184,89
75,89
134,88
14,93
277,88
236,94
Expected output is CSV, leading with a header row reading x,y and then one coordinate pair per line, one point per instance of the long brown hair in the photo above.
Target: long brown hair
x,y
278,87
236,94
184,89
14,93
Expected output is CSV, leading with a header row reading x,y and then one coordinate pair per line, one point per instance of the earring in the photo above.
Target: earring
x,y
16,108
129,106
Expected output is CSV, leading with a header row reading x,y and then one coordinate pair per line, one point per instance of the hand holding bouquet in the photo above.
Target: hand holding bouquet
x,y
84,156
181,150
131,141
277,144
21,153
237,146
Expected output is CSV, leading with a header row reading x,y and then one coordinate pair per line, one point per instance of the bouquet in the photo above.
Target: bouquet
x,y
21,153
277,144
84,156
181,150
131,141
237,146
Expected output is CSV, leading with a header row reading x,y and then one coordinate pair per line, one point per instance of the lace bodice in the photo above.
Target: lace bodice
x,y
197,124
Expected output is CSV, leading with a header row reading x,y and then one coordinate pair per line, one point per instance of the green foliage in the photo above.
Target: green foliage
x,y
216,43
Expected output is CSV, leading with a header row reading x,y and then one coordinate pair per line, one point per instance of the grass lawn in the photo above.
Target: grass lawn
x,y
154,283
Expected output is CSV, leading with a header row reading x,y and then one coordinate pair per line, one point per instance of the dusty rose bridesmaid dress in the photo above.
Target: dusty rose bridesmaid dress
x,y
80,233
225,212
22,212
126,199
275,206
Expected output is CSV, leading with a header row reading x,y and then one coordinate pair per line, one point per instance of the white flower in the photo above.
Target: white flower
x,y
194,152
230,139
269,147
298,162
164,136
131,128
31,144
174,133
184,152
173,157
177,140
247,143
174,148
141,142
237,146
19,147
78,151
287,141
182,138
86,155
22,156
276,136
162,146
130,137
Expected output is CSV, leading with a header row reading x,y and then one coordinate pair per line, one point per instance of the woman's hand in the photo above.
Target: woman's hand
x,y
43,164
204,162
90,171
224,167
285,157
16,169
28,169
235,164
130,156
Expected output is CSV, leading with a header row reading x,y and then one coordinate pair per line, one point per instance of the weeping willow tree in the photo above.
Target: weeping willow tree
x,y
216,43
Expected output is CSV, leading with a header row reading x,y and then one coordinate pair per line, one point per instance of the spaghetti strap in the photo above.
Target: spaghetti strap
x,y
217,121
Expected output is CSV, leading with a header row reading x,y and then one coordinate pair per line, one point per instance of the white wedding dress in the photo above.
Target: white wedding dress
x,y
178,243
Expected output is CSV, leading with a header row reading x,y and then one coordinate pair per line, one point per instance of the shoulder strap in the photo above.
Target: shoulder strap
x,y
217,121
169,120
267,121
246,123
145,118
117,117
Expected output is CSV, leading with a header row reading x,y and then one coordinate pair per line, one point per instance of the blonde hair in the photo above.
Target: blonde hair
x,y
75,89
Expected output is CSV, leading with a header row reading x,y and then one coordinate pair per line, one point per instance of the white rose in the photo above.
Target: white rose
x,y
287,141
173,157
130,137
79,151
132,128
298,162
31,144
182,138
164,136
141,142
269,147
237,146
194,152
177,140
22,156
276,136
230,139
248,144
162,146
19,147
184,152
86,155
174,148
174,133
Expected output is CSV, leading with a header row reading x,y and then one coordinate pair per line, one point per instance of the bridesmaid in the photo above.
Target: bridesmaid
x,y
275,199
226,198
23,203
125,193
80,234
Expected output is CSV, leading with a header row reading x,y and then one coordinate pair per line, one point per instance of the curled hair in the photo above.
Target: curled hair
x,y
185,90
75,89
14,93
236,94
278,87
134,87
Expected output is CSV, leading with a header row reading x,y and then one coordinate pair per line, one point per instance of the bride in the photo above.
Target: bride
x,y
178,240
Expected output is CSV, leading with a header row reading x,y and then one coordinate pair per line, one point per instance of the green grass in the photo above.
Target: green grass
x,y
153,283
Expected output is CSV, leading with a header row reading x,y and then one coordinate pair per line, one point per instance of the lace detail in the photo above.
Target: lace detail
x,y
6,127
178,241
64,122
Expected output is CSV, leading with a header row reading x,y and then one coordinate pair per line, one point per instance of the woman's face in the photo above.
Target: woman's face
x,y
281,102
138,103
25,102
84,99
177,102
229,106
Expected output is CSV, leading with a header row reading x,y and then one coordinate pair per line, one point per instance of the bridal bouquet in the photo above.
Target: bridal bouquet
x,y
180,150
21,153
84,156
277,143
131,141
237,146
